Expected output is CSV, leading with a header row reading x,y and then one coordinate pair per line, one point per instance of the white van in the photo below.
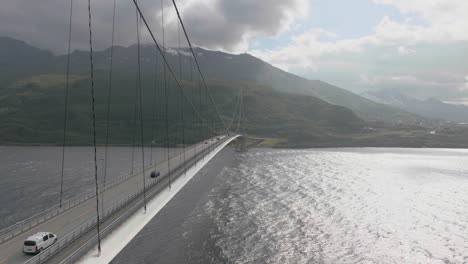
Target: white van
x,y
38,242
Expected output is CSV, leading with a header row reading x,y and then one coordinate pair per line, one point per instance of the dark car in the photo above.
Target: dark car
x,y
155,174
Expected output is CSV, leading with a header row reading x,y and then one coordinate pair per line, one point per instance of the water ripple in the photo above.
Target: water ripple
x,y
344,206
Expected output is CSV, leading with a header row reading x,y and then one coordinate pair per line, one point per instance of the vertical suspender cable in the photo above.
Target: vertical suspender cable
x,y
202,132
192,129
176,120
135,103
166,98
94,125
141,112
182,100
154,109
240,109
162,53
109,94
210,120
66,103
196,62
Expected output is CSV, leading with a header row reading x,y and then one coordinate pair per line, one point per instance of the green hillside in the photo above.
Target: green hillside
x,y
246,67
286,109
31,111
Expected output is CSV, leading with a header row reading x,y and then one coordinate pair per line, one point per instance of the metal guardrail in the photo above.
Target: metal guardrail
x,y
77,254
32,221
65,241
39,218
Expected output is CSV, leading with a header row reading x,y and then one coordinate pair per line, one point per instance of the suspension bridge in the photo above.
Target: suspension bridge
x,y
94,226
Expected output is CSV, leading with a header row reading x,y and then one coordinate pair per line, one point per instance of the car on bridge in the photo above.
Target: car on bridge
x,y
38,242
155,174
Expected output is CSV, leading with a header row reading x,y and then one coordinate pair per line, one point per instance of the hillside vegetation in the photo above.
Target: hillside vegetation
x,y
285,109
32,110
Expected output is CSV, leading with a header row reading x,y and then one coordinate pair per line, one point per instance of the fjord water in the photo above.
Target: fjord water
x,y
30,176
356,205
352,205
345,206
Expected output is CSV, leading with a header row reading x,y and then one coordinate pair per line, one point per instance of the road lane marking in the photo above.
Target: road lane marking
x,y
111,197
71,221
81,215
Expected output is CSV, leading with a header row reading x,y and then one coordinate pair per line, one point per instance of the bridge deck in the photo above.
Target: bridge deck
x,y
69,220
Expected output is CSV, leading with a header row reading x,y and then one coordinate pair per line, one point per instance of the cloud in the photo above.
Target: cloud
x,y
404,50
217,24
429,43
433,32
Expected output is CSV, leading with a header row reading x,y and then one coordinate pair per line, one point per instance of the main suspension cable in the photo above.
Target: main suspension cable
x,y
162,52
196,61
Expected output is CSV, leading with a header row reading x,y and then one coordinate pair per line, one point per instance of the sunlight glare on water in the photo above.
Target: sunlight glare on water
x,y
344,206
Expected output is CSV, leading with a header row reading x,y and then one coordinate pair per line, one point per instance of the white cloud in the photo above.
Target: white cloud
x,y
430,27
464,87
404,50
217,24
234,25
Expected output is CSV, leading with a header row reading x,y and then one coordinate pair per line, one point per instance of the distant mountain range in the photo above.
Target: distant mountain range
x,y
32,85
246,67
295,111
430,108
214,64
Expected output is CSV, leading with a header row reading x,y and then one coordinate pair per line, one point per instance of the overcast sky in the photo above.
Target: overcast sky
x,y
417,46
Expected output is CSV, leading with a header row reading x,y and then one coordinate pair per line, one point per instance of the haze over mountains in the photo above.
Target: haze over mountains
x,y
429,108
277,104
216,65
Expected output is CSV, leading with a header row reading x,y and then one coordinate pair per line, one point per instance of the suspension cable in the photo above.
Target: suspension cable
x,y
240,109
135,102
196,61
66,103
200,94
162,52
94,125
109,94
234,111
141,112
154,110
181,100
192,129
166,112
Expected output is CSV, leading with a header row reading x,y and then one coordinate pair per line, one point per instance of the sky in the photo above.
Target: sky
x,y
418,47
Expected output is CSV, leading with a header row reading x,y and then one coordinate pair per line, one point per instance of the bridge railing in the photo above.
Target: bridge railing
x,y
77,254
34,220
72,236
75,234
39,218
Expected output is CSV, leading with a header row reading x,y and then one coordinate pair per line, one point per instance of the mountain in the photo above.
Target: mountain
x,y
18,59
221,65
15,53
242,67
292,111
32,103
430,108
